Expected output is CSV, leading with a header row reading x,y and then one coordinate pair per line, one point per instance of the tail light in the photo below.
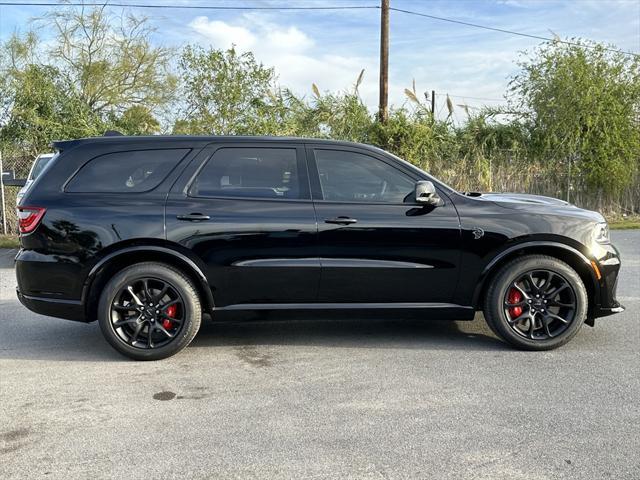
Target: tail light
x,y
29,218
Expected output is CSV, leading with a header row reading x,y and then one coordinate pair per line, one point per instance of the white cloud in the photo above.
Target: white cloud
x,y
292,53
223,35
290,39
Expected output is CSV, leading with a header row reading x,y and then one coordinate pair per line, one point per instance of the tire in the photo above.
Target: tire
x,y
142,323
557,300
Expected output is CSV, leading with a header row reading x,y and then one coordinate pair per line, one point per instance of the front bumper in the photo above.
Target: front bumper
x,y
608,263
605,312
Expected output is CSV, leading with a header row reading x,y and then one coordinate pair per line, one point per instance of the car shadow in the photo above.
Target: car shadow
x,y
337,332
35,337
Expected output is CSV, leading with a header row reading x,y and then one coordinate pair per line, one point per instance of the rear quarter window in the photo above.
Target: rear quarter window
x,y
125,172
39,166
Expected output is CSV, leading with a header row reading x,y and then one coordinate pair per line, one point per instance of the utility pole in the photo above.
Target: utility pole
x,y
433,103
383,113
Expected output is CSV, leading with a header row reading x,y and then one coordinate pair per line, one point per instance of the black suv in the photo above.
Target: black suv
x,y
146,234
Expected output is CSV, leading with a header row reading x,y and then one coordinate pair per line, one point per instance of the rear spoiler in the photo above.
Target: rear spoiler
x,y
60,145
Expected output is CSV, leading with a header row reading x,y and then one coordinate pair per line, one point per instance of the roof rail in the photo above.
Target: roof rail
x,y
112,133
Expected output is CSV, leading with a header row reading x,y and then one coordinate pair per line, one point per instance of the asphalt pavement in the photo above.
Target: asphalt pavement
x,y
322,399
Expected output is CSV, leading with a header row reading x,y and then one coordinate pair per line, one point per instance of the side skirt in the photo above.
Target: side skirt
x,y
443,311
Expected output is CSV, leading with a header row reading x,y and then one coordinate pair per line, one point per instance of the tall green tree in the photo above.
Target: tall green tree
x,y
42,110
98,72
137,120
582,105
227,93
110,60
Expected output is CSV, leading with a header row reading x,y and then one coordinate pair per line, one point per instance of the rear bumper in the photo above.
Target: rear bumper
x,y
49,286
54,307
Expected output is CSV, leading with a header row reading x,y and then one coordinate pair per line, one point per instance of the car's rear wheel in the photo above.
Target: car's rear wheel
x,y
149,311
536,302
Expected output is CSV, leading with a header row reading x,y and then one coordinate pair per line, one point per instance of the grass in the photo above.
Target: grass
x,y
624,223
9,241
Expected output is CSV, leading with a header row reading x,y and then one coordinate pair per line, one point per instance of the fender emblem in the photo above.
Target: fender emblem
x,y
478,233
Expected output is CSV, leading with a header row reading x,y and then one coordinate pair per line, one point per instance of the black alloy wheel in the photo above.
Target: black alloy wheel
x,y
149,311
536,302
540,304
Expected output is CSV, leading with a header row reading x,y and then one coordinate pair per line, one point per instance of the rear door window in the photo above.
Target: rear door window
x,y
124,172
255,172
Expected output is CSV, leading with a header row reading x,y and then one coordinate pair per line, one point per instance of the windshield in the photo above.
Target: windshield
x,y
39,165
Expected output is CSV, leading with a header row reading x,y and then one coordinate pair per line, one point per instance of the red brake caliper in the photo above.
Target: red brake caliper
x,y
515,296
171,312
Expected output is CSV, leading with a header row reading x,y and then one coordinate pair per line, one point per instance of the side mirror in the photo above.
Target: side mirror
x,y
426,194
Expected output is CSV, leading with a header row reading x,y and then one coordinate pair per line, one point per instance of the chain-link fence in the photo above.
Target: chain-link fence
x,y
17,167
522,176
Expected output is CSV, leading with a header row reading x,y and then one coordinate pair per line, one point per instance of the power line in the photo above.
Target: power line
x,y
512,32
185,7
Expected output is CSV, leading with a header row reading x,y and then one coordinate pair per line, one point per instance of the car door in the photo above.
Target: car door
x,y
376,244
245,211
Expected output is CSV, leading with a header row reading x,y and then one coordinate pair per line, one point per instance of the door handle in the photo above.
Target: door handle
x,y
341,220
193,217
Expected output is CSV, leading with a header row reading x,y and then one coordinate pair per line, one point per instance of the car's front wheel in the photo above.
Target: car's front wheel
x,y
149,311
536,302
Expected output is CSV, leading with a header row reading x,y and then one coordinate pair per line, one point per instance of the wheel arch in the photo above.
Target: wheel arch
x,y
569,255
117,260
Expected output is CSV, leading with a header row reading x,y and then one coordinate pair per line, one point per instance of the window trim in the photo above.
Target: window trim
x,y
302,172
189,151
316,186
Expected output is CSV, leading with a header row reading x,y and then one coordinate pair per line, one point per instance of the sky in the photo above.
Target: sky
x,y
330,48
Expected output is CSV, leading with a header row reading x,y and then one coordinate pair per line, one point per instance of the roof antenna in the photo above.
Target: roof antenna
x,y
112,133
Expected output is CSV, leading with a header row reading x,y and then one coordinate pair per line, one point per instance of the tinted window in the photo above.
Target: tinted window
x,y
38,167
119,172
354,177
249,172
